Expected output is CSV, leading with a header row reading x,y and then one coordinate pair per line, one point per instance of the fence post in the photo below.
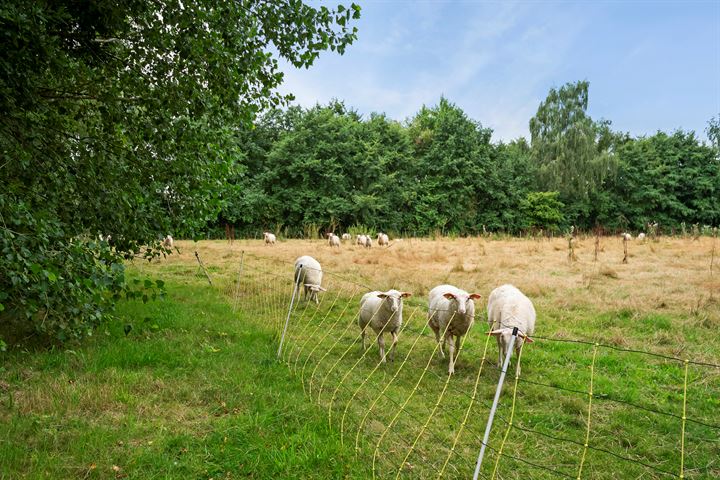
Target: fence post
x,y
237,289
202,267
287,319
496,400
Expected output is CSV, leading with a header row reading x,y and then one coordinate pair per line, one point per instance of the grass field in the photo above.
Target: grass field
x,y
194,392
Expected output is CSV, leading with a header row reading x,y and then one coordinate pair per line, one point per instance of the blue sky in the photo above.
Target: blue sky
x,y
652,65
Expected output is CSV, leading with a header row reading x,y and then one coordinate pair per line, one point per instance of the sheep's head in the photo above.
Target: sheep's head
x,y
314,289
461,300
505,334
393,299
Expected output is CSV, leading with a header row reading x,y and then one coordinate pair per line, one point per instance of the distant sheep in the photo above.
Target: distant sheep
x,y
383,240
508,307
168,242
368,241
641,237
452,312
308,273
382,311
626,236
333,240
346,236
360,240
269,238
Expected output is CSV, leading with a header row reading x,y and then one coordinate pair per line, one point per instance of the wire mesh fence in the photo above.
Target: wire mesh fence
x,y
580,409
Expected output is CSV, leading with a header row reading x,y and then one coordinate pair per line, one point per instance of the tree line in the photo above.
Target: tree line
x,y
330,168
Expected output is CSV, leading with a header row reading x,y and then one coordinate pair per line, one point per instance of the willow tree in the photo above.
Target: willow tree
x,y
567,145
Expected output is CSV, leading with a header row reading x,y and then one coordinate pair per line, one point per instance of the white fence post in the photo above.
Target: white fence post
x,y
287,319
488,427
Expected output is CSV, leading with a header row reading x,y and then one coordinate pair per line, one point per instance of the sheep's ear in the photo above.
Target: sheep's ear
x,y
321,288
382,295
448,295
495,333
528,339
475,296
406,294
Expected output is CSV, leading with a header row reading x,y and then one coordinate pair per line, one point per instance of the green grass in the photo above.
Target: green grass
x,y
194,391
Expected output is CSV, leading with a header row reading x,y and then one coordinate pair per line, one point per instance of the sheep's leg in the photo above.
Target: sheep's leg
x,y
451,353
394,346
501,353
381,344
437,340
362,333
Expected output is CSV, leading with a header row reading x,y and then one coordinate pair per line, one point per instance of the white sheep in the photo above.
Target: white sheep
x,y
507,308
168,242
368,241
360,240
269,238
626,236
383,312
333,240
346,236
451,311
383,240
308,272
641,237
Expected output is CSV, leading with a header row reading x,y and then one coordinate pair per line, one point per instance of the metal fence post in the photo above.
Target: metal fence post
x,y
496,400
287,319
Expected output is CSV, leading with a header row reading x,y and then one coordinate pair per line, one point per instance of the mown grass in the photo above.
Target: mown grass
x,y
194,371
193,391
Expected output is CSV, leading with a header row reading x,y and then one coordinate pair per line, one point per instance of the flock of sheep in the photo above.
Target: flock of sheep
x,y
334,240
451,313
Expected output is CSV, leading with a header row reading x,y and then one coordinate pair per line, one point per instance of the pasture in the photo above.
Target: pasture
x,y
193,390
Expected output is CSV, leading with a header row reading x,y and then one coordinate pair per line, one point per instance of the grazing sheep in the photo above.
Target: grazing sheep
x,y
333,240
269,238
346,236
168,242
626,236
383,240
508,307
641,237
360,240
309,273
368,241
451,311
383,312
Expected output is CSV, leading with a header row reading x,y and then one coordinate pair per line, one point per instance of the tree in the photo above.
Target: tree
x,y
123,118
542,210
567,145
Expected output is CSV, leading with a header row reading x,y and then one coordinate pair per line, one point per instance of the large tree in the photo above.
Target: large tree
x,y
568,147
121,118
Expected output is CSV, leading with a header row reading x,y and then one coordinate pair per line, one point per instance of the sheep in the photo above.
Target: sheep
x,y
641,237
333,240
269,238
346,236
383,312
168,242
383,239
626,236
360,240
368,241
451,311
508,307
309,272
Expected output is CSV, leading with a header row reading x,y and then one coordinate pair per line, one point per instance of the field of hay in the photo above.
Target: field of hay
x,y
407,419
